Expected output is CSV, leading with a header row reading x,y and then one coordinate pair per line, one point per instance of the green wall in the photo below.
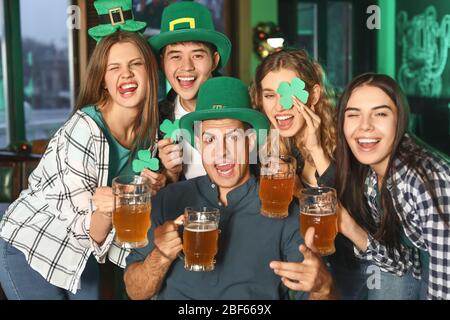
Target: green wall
x,y
386,43
261,11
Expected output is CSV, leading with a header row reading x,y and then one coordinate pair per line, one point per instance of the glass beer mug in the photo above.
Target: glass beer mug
x,y
318,210
276,187
200,238
132,208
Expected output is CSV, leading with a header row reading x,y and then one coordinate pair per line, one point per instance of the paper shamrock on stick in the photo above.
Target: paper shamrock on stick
x,y
171,129
287,91
145,160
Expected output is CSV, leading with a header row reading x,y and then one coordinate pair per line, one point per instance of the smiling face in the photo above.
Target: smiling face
x,y
126,77
289,122
225,152
370,122
186,66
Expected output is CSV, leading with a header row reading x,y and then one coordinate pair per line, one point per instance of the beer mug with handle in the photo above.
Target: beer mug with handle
x,y
276,189
200,238
132,209
318,210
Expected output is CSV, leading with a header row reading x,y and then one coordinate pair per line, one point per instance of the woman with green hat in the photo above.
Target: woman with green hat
x,y
63,219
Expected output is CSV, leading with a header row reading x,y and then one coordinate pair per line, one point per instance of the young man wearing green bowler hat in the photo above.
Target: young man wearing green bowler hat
x,y
251,262
190,51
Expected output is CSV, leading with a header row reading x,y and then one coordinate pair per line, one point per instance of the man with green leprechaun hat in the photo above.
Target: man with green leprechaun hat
x,y
257,257
190,51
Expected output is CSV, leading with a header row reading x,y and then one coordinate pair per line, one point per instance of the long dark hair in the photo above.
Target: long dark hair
x,y
407,148
93,93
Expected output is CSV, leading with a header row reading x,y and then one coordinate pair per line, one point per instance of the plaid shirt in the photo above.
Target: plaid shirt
x,y
50,220
421,222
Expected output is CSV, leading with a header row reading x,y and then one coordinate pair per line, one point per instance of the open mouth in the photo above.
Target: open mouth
x,y
225,169
284,122
186,82
367,144
128,89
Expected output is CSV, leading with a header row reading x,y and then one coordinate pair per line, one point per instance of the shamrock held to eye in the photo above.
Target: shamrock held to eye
x,y
145,160
287,91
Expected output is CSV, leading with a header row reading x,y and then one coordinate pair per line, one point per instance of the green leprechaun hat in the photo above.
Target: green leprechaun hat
x,y
224,98
190,21
114,15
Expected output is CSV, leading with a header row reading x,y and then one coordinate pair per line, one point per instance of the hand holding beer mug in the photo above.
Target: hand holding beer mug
x,y
318,210
132,207
200,238
277,186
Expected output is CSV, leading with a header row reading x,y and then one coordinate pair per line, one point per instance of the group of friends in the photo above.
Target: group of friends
x,y
393,191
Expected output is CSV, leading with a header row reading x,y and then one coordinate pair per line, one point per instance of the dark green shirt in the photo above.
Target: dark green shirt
x,y
118,154
248,242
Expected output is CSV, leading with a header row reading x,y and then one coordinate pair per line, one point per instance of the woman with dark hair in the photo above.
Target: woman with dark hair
x,y
394,191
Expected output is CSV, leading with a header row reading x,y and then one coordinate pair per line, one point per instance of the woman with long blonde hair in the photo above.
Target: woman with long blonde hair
x,y
49,233
307,131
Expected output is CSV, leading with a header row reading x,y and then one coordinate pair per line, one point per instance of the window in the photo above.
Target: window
x,y
307,27
339,39
48,97
3,115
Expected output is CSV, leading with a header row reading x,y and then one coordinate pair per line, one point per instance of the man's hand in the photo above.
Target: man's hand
x,y
167,239
171,156
144,279
311,275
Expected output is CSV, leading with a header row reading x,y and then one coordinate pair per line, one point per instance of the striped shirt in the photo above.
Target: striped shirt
x,y
423,225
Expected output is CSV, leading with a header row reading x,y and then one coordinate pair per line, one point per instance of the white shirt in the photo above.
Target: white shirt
x,y
192,159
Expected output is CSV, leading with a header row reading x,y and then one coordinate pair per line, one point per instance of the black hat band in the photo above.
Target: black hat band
x,y
115,16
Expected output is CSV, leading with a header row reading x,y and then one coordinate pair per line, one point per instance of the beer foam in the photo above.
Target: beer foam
x,y
200,227
318,212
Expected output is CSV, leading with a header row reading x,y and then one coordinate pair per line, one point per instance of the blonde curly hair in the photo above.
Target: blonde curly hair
x,y
312,73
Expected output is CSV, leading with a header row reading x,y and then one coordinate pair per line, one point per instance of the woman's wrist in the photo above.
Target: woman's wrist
x,y
357,235
320,158
101,225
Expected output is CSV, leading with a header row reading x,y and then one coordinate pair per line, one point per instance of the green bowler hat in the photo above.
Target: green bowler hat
x,y
190,21
224,98
114,15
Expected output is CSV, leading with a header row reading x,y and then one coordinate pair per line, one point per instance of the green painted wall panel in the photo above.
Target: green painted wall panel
x,y
261,11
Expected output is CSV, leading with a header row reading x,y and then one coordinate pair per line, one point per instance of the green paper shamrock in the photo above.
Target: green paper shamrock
x,y
296,88
145,160
171,129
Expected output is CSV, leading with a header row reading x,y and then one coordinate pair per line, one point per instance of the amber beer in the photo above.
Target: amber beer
x,y
276,195
200,246
318,210
276,186
325,226
132,208
200,238
132,223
